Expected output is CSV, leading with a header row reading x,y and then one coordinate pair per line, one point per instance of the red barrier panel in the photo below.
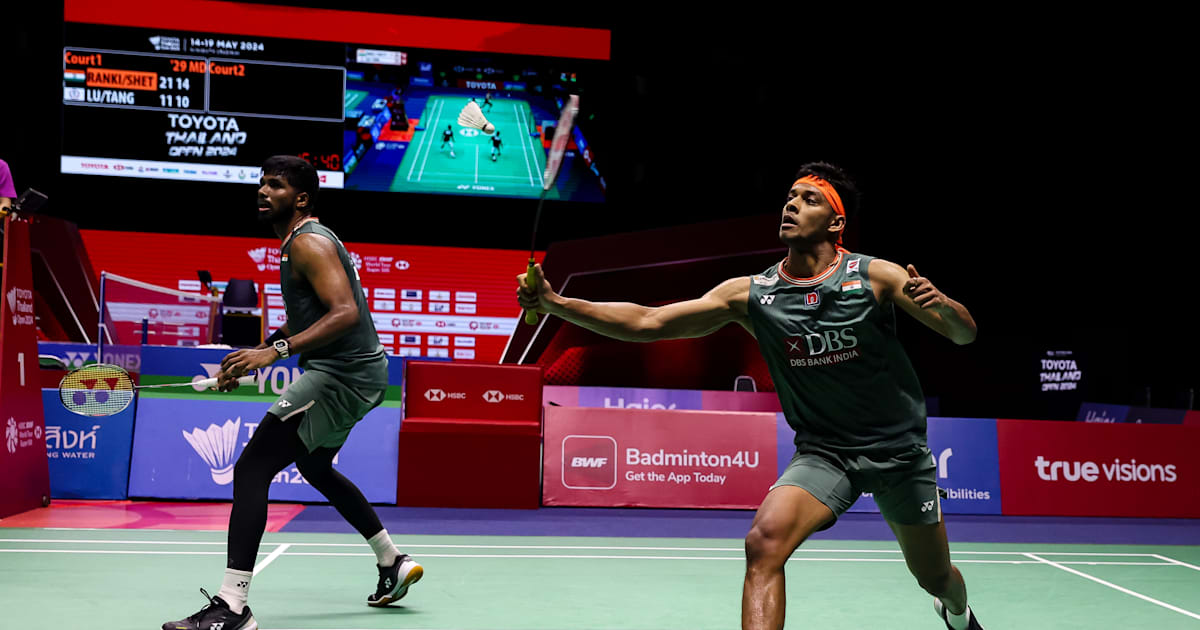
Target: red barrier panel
x,y
1082,469
439,389
471,436
24,474
657,458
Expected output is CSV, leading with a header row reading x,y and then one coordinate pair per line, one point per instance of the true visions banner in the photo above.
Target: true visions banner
x,y
657,458
1083,469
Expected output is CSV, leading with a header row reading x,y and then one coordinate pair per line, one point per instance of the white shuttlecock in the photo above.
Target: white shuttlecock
x,y
471,116
215,446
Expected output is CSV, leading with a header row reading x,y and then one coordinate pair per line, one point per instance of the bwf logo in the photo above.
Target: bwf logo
x,y
589,462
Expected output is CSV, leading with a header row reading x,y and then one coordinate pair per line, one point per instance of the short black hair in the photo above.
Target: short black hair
x,y
841,181
299,174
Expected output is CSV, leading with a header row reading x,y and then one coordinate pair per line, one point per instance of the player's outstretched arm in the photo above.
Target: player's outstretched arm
x,y
632,322
919,298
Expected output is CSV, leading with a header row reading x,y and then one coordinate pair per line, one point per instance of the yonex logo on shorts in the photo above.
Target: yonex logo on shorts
x,y
926,506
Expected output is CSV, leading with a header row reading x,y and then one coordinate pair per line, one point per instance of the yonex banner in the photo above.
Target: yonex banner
x,y
657,458
1086,469
186,449
968,470
89,457
168,364
76,355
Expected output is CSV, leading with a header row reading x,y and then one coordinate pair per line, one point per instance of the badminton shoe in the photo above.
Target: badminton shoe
x,y
215,616
395,580
940,609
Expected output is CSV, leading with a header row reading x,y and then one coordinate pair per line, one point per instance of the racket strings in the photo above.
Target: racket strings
x,y
98,389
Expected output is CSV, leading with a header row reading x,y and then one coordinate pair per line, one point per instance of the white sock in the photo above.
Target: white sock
x,y
385,552
959,622
235,589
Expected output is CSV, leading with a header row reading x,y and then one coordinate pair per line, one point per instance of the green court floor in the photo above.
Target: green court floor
x,y
517,171
141,578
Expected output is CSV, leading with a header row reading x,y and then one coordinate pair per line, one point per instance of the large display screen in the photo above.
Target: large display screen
x,y
202,90
443,302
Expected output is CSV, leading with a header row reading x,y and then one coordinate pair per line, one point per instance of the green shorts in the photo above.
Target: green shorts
x,y
330,408
904,486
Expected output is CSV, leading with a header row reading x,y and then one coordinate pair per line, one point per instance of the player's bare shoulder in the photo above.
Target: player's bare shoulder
x,y
886,278
735,292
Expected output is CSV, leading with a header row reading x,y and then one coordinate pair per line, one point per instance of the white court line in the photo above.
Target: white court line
x,y
418,155
533,148
436,125
523,133
1097,580
1174,561
270,558
477,163
580,547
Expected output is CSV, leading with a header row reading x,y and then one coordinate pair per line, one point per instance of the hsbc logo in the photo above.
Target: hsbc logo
x,y
438,395
497,396
589,462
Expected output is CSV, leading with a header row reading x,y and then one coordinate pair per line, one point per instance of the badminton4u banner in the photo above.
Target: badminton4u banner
x,y
657,458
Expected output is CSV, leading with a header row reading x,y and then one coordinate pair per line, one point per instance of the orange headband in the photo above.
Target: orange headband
x,y
831,195
826,189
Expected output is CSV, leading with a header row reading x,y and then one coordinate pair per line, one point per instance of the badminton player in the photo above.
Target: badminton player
x,y
487,101
496,145
346,374
448,138
824,319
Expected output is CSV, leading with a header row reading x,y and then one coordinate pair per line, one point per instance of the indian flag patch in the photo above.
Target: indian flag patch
x,y
74,76
283,258
851,286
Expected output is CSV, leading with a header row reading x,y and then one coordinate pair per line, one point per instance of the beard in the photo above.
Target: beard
x,y
275,215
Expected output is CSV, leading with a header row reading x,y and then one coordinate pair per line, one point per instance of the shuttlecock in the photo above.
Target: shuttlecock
x,y
215,446
471,116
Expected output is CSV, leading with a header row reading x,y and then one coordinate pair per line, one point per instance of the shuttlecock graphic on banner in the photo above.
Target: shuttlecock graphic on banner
x,y
258,255
215,445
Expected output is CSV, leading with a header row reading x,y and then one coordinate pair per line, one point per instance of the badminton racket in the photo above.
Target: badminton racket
x,y
102,389
558,146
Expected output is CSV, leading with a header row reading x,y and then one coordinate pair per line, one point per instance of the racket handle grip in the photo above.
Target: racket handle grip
x,y
531,317
249,379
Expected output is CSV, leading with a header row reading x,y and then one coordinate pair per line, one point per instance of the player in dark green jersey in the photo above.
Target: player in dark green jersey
x,y
345,376
824,319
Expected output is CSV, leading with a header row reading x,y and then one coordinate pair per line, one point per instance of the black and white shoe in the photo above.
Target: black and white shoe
x,y
940,609
395,580
215,616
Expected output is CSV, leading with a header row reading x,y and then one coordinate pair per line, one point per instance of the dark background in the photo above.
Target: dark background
x,y
1036,167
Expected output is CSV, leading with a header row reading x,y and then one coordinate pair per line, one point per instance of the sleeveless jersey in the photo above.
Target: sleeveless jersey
x,y
844,381
356,357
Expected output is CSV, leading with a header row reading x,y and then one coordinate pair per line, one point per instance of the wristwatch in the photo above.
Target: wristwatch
x,y
282,348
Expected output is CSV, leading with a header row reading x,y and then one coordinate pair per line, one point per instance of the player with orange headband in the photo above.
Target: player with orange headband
x,y
824,319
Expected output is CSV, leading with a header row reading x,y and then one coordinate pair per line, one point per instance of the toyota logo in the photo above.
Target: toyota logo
x,y
435,395
493,396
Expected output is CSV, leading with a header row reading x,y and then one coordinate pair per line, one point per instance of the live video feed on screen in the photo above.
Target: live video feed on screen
x,y
202,106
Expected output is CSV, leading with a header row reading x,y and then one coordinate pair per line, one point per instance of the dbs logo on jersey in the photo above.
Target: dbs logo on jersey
x,y
824,348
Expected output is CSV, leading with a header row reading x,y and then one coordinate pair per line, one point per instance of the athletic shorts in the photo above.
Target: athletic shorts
x,y
904,485
330,408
